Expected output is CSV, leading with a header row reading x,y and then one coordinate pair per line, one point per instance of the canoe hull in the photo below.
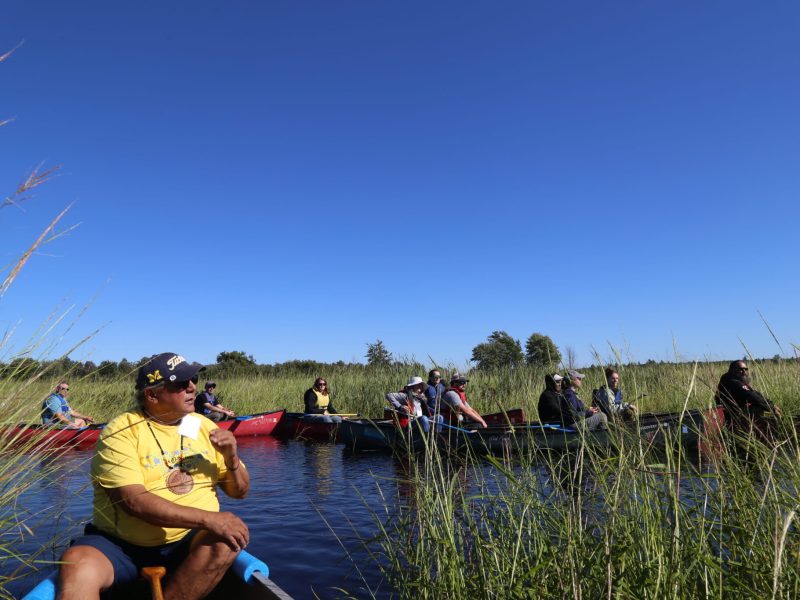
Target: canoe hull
x,y
42,437
294,425
259,424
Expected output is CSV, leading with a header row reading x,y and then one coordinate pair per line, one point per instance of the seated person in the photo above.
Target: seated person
x,y
57,412
550,400
318,405
573,412
410,403
609,398
207,404
744,406
155,472
455,407
434,392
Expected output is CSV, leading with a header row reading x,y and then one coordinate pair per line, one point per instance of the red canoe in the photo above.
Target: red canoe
x,y
260,424
43,436
295,426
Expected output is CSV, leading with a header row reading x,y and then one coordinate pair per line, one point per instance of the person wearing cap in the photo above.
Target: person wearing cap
x,y
155,472
57,412
317,400
573,412
550,400
454,402
410,403
434,392
744,407
207,404
609,398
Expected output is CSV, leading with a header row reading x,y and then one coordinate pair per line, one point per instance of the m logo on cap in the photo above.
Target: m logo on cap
x,y
154,376
175,361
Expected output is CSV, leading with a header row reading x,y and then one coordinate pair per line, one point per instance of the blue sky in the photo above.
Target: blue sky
x,y
296,179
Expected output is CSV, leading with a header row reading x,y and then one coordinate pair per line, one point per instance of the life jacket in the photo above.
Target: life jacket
x,y
48,416
323,400
450,415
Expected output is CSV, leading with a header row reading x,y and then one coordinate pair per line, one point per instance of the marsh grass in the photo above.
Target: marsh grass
x,y
593,523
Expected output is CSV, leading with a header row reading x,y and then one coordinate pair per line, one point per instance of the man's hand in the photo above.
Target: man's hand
x,y
230,528
224,441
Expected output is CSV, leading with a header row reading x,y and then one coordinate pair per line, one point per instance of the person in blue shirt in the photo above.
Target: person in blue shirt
x,y
207,404
57,412
574,413
434,391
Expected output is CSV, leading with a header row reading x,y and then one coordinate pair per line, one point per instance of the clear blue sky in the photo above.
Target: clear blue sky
x,y
296,179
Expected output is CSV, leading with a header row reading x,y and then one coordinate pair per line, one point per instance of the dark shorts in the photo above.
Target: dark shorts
x,y
128,559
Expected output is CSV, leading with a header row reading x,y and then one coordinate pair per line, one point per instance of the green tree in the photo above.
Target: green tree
x,y
377,355
541,351
498,351
235,361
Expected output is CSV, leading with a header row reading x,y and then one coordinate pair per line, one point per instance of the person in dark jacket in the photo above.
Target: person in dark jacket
x,y
573,412
550,399
318,405
743,405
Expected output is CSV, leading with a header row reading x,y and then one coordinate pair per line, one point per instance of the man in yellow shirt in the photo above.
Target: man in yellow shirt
x,y
155,473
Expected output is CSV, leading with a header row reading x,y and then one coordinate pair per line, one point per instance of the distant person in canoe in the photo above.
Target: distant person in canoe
x,y
155,472
609,399
318,403
550,400
573,411
57,412
207,404
744,406
434,391
454,402
412,404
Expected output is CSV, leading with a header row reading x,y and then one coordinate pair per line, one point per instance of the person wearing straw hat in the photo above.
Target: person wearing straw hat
x,y
410,403
573,412
155,472
454,402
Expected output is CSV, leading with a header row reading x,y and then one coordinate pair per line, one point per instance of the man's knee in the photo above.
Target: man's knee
x,y
213,550
85,567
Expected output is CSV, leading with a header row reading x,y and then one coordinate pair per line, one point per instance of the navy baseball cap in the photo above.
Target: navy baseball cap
x,y
165,367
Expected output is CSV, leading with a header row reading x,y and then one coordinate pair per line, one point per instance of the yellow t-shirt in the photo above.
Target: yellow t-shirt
x,y
127,454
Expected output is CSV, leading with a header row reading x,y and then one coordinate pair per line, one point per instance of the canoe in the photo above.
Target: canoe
x,y
365,435
258,424
654,429
295,425
247,579
42,436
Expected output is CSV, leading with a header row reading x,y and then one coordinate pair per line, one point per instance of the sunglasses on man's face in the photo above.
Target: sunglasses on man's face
x,y
179,386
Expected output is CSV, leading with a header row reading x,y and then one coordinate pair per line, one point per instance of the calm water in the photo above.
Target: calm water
x,y
296,488
310,506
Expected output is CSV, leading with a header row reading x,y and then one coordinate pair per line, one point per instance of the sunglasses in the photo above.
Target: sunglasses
x,y
743,369
64,389
179,386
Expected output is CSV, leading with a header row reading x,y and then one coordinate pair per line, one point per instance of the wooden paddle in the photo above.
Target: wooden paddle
x,y
154,575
